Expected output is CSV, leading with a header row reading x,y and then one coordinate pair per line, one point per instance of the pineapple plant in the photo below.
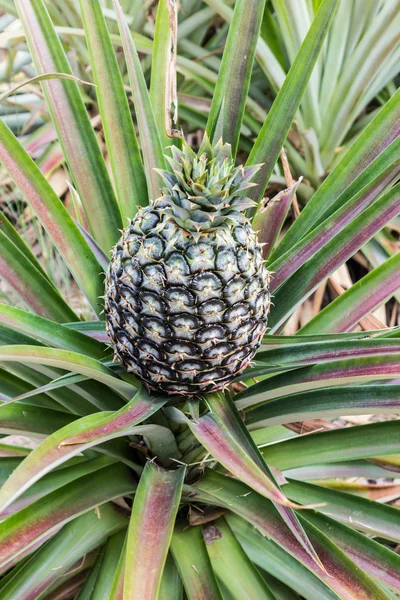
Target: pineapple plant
x,y
182,469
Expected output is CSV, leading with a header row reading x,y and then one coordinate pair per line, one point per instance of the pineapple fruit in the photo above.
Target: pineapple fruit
x,y
187,291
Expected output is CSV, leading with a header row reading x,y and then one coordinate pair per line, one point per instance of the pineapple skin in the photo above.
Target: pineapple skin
x,y
186,313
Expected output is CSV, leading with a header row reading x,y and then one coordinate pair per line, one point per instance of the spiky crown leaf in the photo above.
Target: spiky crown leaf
x,y
205,190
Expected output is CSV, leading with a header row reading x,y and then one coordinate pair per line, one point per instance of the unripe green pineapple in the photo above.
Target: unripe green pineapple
x,y
187,292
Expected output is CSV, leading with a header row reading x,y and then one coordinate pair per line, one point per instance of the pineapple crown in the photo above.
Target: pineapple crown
x,y
205,190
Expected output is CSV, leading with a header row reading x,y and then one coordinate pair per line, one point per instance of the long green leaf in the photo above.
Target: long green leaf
x,y
70,361
53,215
372,557
354,468
277,125
151,525
191,558
31,286
29,525
63,551
341,247
45,77
377,136
326,374
108,560
149,136
228,105
163,93
72,123
270,557
325,403
57,479
228,559
9,230
171,585
362,192
122,146
368,58
52,453
359,300
373,518
49,333
24,418
227,413
340,573
294,18
323,350
363,441
226,442
142,406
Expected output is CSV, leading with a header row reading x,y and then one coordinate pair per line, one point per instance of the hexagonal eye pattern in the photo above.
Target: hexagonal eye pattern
x,y
185,317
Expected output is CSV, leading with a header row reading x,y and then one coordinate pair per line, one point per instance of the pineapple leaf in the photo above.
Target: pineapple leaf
x,y
227,412
337,250
190,555
9,231
117,588
26,527
360,194
377,136
64,550
231,90
99,583
171,585
373,49
359,300
325,403
319,375
70,361
228,558
54,217
52,452
163,93
119,132
26,281
49,333
149,134
294,19
267,555
318,351
274,131
57,479
259,512
360,513
72,123
374,558
269,220
25,418
151,525
141,407
231,451
361,441
44,77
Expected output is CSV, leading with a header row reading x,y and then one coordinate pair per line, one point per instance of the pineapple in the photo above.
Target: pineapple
x,y
187,292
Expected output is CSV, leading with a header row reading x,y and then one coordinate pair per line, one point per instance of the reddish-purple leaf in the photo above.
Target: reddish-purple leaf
x,y
341,575
25,528
268,221
225,409
52,453
151,525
